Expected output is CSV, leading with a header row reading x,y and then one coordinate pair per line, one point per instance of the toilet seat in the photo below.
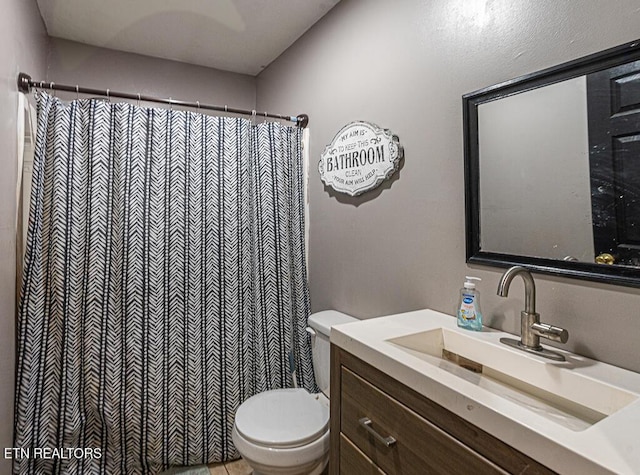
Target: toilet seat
x,y
282,418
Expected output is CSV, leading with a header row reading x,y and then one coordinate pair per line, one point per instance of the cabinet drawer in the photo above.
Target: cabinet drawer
x,y
352,460
420,446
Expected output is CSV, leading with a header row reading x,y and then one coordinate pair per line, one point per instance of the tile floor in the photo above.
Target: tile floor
x,y
235,467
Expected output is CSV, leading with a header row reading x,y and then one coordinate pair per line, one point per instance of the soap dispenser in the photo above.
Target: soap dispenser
x,y
469,314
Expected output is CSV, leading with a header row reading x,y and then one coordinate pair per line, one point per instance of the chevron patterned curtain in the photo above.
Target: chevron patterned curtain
x,y
164,284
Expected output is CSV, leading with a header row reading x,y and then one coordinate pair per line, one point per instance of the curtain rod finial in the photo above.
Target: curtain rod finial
x,y
24,83
303,120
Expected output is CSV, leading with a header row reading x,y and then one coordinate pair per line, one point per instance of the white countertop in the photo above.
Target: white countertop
x,y
611,445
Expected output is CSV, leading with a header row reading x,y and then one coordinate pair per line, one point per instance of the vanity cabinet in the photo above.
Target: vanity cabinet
x,y
378,426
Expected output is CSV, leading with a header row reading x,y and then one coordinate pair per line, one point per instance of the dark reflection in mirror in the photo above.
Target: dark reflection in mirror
x,y
613,103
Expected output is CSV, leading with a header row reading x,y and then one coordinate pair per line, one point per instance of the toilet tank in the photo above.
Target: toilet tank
x,y
320,324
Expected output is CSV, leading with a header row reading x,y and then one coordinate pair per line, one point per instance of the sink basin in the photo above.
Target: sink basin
x,y
551,389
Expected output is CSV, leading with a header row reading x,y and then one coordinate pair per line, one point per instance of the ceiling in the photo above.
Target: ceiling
x,y
242,36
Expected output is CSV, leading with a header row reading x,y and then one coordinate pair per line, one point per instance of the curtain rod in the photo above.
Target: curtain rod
x,y
25,83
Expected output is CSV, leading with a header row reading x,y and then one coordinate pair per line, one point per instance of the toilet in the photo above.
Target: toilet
x,y
286,431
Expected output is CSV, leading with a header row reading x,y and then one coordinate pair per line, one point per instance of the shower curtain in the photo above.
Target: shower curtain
x,y
164,284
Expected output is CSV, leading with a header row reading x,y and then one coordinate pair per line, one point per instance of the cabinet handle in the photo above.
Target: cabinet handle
x,y
366,423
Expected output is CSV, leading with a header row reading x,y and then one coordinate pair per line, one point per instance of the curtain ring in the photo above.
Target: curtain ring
x,y
253,117
41,84
198,102
265,117
225,108
108,97
77,93
170,104
138,99
51,84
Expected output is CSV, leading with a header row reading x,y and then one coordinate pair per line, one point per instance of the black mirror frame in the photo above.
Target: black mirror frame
x,y
619,275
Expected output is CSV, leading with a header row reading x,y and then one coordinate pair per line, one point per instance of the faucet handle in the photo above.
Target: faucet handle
x,y
550,332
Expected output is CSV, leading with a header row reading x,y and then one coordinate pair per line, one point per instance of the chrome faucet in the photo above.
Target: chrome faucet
x,y
531,330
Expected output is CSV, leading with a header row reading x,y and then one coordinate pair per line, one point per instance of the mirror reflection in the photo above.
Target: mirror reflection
x,y
559,170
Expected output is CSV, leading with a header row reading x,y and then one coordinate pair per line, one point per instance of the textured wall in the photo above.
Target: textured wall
x,y
405,65
23,47
90,66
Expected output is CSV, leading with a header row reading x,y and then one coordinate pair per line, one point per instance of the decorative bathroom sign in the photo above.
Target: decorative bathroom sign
x,y
359,158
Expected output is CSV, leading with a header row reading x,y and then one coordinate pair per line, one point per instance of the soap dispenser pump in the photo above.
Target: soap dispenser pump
x,y
469,314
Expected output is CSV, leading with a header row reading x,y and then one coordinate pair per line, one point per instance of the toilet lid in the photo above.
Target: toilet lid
x,y
282,418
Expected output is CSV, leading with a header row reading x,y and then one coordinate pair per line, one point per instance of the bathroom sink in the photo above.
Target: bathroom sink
x,y
550,389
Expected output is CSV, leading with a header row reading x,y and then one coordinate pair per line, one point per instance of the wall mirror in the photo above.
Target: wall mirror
x,y
552,169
